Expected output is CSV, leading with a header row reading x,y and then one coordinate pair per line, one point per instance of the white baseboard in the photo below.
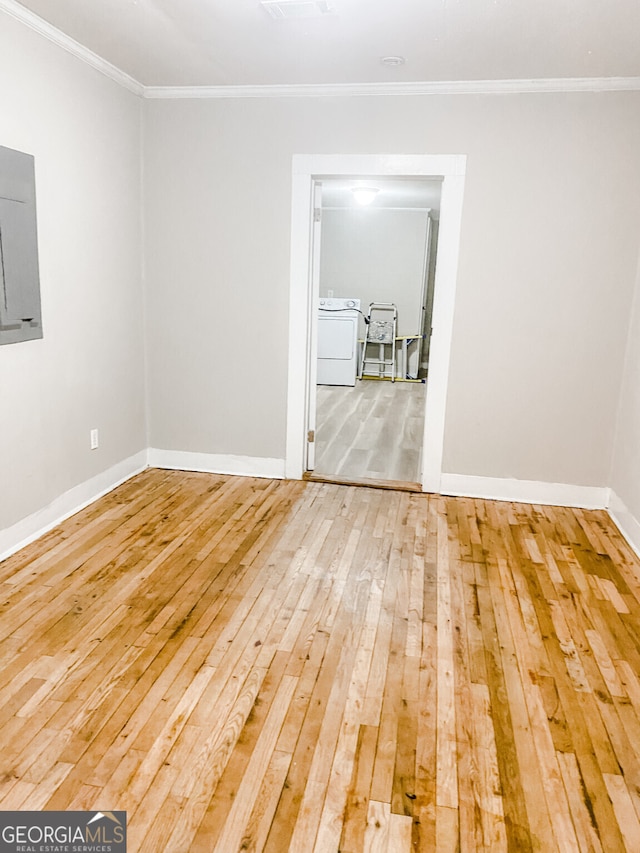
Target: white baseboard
x,y
460,485
625,521
217,463
31,528
525,491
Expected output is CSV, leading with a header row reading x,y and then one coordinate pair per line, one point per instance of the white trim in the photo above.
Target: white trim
x,y
217,463
435,87
418,207
525,491
29,529
301,205
444,299
451,167
625,521
44,28
315,90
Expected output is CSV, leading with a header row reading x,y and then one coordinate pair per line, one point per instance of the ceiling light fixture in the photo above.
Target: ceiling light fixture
x,y
392,61
364,195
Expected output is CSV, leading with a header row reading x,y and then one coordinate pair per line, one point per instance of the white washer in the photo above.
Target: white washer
x,y
338,341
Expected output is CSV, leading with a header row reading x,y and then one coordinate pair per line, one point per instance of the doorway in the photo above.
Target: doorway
x,y
308,172
377,251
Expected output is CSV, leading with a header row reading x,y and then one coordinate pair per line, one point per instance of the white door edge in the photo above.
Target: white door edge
x,y
312,327
309,168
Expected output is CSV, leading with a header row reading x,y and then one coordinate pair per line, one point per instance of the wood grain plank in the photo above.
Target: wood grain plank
x,y
245,664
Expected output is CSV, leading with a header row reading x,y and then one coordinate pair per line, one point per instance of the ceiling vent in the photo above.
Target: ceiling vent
x,y
297,8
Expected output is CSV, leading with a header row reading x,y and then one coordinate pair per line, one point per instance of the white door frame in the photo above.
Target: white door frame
x,y
312,336
302,314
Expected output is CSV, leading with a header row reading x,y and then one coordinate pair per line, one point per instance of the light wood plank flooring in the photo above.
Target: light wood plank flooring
x,y
373,430
243,664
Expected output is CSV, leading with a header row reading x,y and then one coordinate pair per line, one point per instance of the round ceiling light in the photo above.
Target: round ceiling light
x,y
364,195
392,61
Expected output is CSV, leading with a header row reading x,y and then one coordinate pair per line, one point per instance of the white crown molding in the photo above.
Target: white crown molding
x,y
43,28
347,90
524,491
313,90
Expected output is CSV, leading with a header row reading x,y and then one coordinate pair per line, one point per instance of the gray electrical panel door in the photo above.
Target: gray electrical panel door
x,y
20,312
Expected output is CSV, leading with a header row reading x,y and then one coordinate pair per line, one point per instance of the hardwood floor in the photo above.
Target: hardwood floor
x,y
244,664
372,431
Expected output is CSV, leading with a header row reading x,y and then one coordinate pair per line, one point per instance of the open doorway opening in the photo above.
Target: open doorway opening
x,y
308,172
376,285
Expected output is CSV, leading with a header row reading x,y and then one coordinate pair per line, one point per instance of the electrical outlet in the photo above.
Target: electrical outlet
x,y
95,443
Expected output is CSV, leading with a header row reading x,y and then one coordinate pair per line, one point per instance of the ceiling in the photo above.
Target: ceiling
x,y
237,42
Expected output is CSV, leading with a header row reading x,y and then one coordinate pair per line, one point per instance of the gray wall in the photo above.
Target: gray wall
x,y
547,266
88,371
548,262
376,255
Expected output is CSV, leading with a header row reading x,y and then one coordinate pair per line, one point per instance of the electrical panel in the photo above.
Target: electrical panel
x,y
20,312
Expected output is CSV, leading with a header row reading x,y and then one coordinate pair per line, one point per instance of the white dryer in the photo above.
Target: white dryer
x,y
338,340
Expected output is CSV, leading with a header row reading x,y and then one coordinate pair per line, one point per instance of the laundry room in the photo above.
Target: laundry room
x,y
377,263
